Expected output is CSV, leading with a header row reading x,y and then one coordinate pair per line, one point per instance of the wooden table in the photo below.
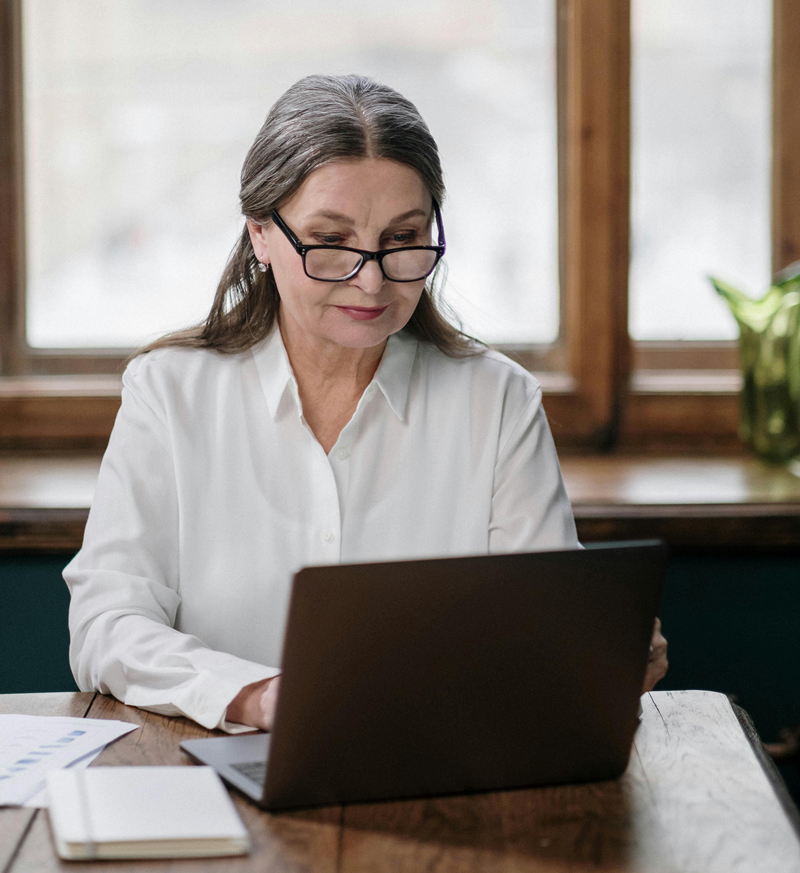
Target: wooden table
x,y
695,797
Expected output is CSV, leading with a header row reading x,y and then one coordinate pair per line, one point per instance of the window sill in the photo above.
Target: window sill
x,y
58,412
691,502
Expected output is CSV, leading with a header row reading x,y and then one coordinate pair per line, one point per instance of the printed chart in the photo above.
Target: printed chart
x,y
30,745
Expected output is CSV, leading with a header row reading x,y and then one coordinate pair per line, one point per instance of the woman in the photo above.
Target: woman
x,y
324,412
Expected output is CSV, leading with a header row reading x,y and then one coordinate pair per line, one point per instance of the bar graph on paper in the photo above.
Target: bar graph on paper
x,y
30,745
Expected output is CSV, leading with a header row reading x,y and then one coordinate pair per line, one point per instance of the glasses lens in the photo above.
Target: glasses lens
x,y
331,263
408,265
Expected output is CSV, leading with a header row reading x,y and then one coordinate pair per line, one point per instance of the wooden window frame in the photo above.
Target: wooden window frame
x,y
601,389
686,394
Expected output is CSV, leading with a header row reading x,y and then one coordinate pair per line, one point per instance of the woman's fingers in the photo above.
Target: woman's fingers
x,y
269,701
657,664
255,704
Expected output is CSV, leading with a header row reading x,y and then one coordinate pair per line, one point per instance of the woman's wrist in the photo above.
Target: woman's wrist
x,y
246,707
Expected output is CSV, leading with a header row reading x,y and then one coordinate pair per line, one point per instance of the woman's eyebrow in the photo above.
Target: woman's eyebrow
x,y
412,213
333,216
346,219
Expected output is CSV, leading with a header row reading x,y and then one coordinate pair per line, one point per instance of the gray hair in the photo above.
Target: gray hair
x,y
323,119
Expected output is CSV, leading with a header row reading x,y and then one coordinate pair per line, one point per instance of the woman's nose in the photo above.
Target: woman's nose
x,y
369,278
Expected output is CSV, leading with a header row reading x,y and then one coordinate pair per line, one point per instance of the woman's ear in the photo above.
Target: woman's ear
x,y
259,240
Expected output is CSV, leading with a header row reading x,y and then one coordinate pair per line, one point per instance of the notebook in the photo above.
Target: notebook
x,y
143,812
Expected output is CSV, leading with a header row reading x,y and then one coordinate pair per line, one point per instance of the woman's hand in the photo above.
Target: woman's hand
x,y
657,665
255,704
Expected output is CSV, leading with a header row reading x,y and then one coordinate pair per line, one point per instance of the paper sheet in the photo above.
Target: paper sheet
x,y
30,745
41,800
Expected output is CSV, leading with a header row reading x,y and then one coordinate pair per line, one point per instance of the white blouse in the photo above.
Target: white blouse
x,y
213,492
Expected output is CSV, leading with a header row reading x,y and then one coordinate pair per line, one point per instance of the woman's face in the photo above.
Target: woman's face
x,y
368,204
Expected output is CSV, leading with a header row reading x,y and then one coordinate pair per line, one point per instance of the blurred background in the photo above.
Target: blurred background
x,y
138,114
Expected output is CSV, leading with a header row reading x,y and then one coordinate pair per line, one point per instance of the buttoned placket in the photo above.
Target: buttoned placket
x,y
329,537
329,473
326,521
341,455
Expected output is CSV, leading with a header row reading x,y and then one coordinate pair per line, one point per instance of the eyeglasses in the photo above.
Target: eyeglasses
x,y
339,263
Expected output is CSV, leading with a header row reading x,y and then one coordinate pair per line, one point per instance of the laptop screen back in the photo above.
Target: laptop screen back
x,y
463,674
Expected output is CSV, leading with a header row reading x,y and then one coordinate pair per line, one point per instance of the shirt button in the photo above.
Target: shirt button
x,y
343,454
328,536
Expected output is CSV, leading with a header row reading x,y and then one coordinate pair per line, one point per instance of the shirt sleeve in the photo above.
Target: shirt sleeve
x,y
125,585
530,507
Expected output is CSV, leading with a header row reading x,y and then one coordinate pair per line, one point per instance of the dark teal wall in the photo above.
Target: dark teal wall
x,y
731,622
34,640
732,625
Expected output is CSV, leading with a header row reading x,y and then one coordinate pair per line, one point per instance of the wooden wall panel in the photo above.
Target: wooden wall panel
x,y
597,80
786,134
665,421
11,250
58,413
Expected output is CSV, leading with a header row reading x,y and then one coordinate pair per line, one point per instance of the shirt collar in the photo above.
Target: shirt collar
x,y
393,376
274,371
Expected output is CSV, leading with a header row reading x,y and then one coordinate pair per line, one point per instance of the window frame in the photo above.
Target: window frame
x,y
687,394
601,389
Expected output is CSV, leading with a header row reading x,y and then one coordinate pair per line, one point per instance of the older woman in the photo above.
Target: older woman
x,y
324,412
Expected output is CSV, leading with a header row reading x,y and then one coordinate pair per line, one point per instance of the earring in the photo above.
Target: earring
x,y
262,268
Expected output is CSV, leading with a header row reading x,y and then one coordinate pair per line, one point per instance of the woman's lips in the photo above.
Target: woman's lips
x,y
363,313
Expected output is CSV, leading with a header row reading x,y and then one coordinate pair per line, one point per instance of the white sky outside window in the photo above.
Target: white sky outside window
x,y
700,162
138,115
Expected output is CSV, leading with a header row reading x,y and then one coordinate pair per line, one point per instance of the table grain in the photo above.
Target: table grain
x,y
694,799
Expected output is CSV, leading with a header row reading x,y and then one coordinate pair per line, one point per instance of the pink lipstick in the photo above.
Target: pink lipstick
x,y
363,313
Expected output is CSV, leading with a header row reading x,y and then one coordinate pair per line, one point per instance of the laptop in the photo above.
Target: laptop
x,y
454,675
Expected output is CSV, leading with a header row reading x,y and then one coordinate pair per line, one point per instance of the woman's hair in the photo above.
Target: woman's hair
x,y
319,120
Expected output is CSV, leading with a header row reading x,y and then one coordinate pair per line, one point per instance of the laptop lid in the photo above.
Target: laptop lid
x,y
456,675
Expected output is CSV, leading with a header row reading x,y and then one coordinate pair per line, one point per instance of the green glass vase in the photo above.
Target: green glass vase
x,y
769,357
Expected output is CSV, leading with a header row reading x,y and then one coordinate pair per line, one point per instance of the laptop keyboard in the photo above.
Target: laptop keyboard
x,y
255,770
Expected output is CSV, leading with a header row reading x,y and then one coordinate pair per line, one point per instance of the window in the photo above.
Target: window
x,y
602,388
138,114
700,162
739,112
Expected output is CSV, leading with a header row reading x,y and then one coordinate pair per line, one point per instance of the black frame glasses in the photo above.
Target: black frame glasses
x,y
378,256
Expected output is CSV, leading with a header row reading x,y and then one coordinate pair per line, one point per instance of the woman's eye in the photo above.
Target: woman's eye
x,y
403,237
328,239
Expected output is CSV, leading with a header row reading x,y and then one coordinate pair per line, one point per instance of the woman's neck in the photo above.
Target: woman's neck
x,y
330,380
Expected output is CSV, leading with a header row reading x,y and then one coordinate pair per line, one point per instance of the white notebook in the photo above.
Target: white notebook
x,y
143,812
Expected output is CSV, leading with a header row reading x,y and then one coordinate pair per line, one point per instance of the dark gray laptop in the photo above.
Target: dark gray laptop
x,y
455,675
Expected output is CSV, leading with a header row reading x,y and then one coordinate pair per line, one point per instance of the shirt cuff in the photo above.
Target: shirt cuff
x,y
206,699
